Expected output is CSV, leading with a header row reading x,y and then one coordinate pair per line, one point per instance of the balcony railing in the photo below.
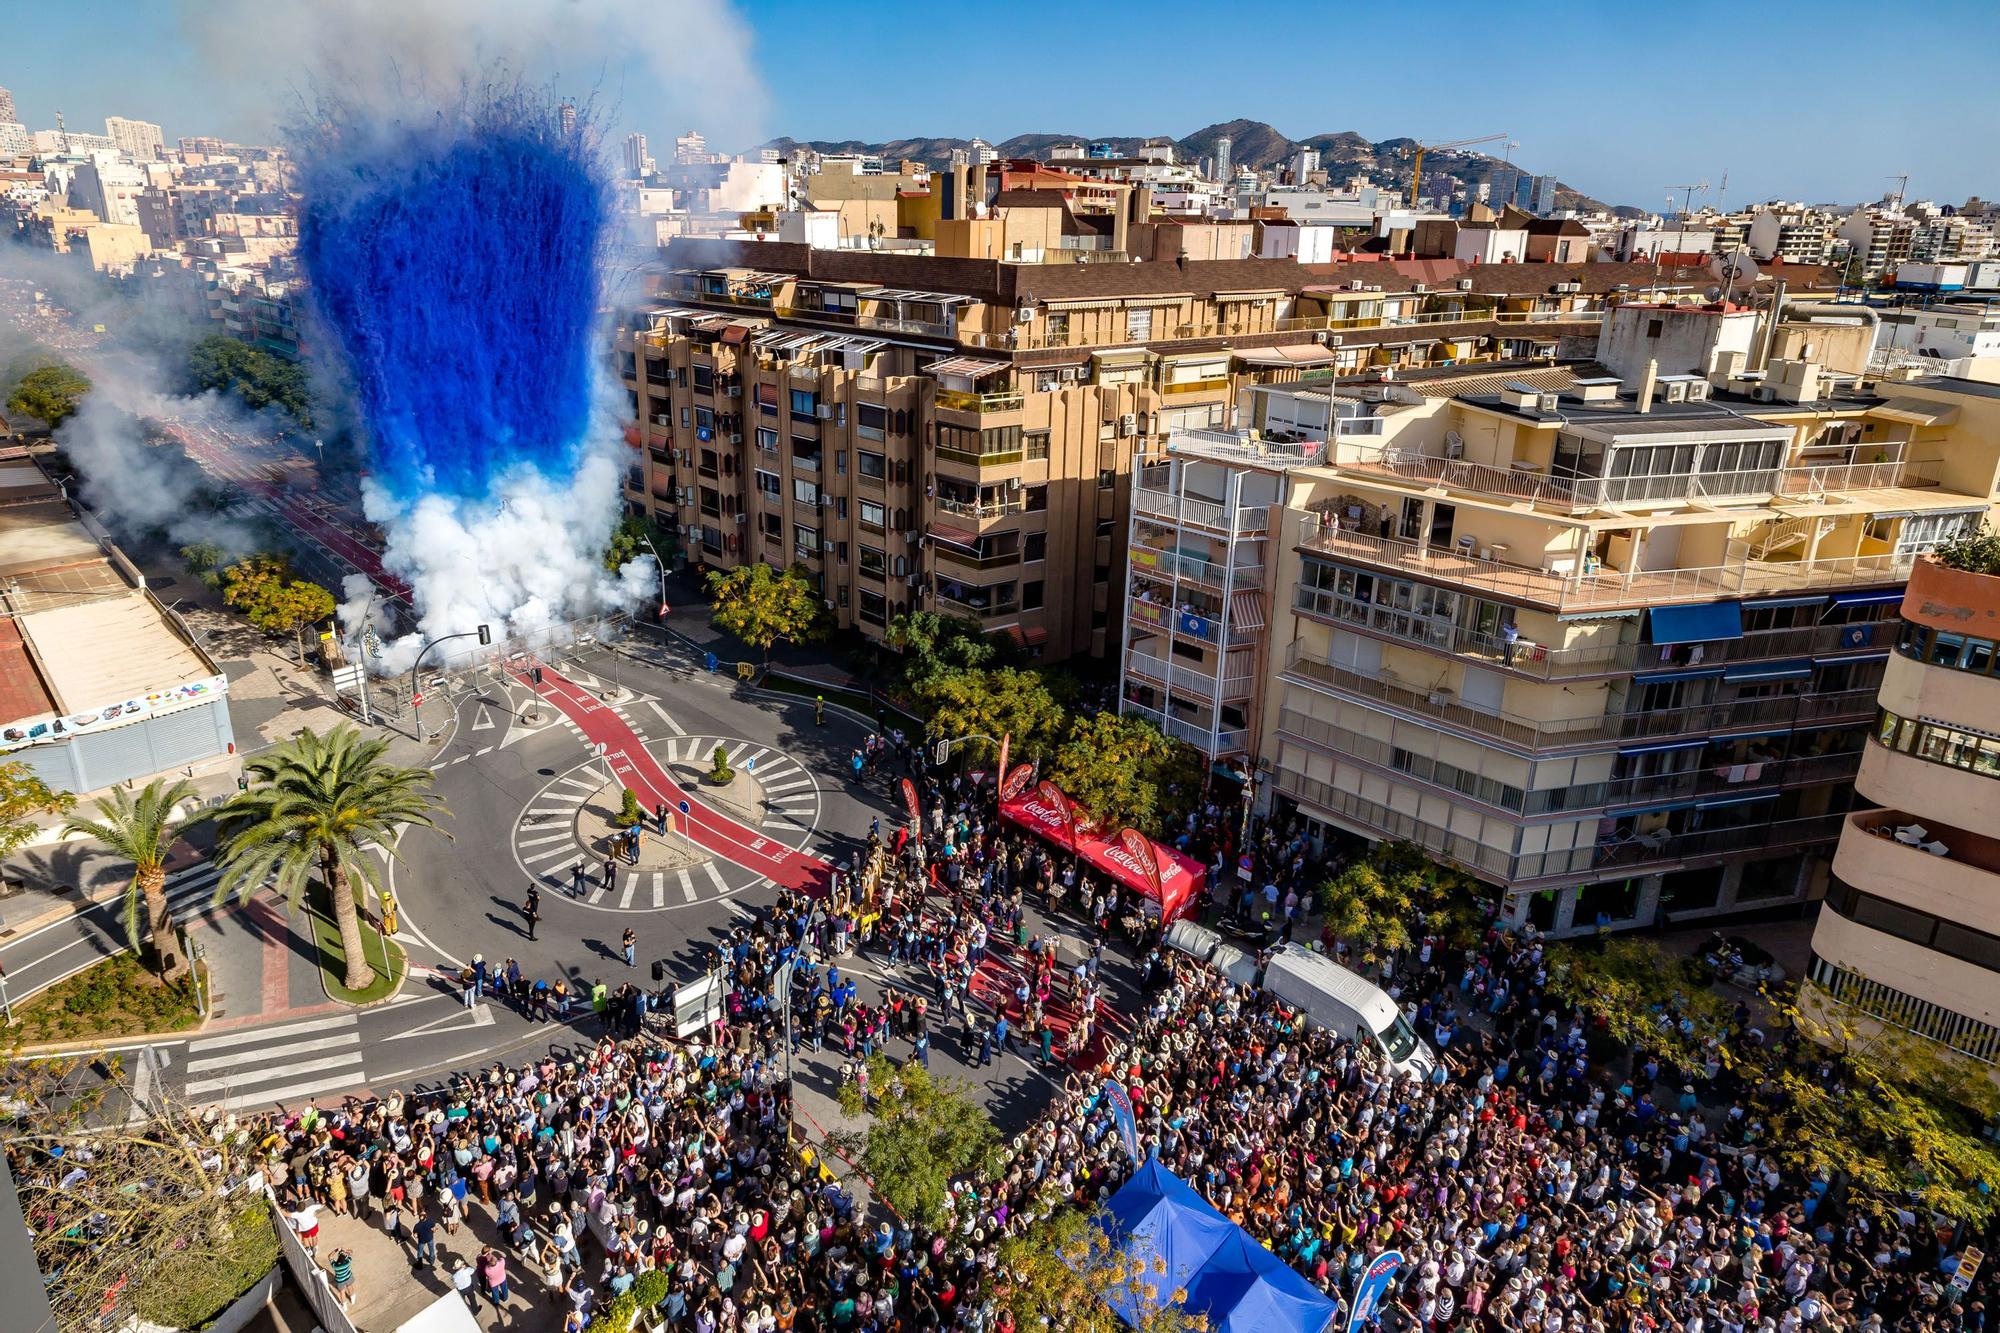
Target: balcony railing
x,y
1213,743
1171,564
1522,733
1021,338
981,509
1604,588
978,458
1182,677
1699,844
1200,513
992,607
979,402
973,560
1542,662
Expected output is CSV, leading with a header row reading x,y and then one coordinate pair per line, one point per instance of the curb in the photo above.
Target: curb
x,y
319,962
784,696
111,1045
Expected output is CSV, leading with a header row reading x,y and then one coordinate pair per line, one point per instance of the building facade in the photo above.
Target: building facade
x,y
1909,935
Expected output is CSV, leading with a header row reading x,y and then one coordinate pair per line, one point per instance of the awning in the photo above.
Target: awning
x,y
1880,597
1661,748
1111,304
1800,668
1265,294
969,366
1628,613
957,536
1287,356
735,334
1246,611
1178,874
903,294
1703,623
1027,637
1857,657
1662,677
1773,603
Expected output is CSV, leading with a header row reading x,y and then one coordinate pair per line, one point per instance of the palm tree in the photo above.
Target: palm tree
x,y
141,830
315,805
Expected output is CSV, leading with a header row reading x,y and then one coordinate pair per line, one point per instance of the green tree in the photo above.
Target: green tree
x,y
140,831
1375,903
925,1133
316,805
992,703
1643,997
1126,771
1899,1117
49,393
1976,551
1058,1273
264,591
934,644
761,605
22,797
628,541
260,378
204,561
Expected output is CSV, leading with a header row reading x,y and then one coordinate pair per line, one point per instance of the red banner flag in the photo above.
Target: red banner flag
x,y
910,803
1005,738
1140,848
1013,784
1052,796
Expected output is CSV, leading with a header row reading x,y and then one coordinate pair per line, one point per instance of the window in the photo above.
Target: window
x,y
1106,479
1138,325
767,399
1035,546
805,492
805,454
1655,327
872,562
769,484
872,515
805,403
874,607
704,379
840,554
711,501
805,542
1058,328
708,463
1104,529
773,525
686,418
840,462
871,465
1031,595
870,420
999,444
767,439
1038,499
1036,443
1940,743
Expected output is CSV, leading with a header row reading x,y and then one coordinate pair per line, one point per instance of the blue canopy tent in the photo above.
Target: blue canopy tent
x,y
1173,1240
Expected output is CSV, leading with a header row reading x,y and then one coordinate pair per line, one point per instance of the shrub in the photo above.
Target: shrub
x,y
629,813
652,1288
1975,552
618,1316
720,771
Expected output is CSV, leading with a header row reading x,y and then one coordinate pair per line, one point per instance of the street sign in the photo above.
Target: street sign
x,y
347,677
685,807
750,764
603,748
697,1005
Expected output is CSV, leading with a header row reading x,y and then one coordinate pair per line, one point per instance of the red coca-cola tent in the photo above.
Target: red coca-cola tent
x,y
1043,810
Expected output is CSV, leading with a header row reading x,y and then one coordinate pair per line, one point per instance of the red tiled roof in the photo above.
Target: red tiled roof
x,y
22,693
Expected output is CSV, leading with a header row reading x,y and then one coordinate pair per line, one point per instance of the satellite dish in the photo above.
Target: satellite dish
x,y
1733,270
1715,293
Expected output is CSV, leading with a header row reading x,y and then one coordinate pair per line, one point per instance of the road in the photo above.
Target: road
x,y
41,957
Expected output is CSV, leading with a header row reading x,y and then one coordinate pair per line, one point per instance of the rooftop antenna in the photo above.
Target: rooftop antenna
x,y
1687,197
1722,192
1902,182
1731,269
62,132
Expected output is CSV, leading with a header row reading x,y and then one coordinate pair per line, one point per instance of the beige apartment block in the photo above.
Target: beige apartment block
x,y
1909,935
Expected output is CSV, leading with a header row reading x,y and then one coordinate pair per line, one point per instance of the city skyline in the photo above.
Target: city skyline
x,y
729,78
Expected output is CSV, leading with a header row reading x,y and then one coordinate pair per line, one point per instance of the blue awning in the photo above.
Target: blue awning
x,y
1880,597
1691,673
1703,623
1661,748
1770,603
1798,668
1717,802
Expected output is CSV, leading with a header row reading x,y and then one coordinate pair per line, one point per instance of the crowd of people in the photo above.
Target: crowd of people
x,y
1529,1187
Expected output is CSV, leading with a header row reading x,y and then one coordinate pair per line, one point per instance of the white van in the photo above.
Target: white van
x,y
1239,966
1340,1001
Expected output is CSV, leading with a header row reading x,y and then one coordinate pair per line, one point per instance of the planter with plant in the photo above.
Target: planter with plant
x,y
719,773
629,814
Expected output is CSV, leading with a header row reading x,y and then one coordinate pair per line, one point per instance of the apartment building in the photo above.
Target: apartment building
x,y
961,434
1879,238
1613,652
1909,934
1790,233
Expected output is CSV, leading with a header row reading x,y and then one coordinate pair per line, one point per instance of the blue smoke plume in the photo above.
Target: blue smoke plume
x,y
456,265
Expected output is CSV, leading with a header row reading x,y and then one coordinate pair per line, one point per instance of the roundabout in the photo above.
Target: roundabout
x,y
571,821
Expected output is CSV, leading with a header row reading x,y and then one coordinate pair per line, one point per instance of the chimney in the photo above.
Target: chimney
x,y
1121,222
976,201
1766,340
1648,383
959,184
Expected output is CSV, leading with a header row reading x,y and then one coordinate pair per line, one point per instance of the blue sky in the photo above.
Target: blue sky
x,y
1812,100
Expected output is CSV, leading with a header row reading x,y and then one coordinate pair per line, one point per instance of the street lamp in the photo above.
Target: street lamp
x,y
484,634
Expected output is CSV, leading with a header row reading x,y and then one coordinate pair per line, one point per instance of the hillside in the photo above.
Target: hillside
x,y
1252,143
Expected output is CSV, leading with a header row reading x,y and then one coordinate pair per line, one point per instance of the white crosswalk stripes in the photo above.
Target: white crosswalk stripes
x,y
659,888
687,885
625,898
773,788
715,877
268,1065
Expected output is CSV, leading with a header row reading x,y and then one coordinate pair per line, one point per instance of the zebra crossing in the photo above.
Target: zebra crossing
x,y
264,1066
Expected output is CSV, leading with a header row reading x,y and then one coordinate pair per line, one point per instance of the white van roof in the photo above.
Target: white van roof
x,y
1315,969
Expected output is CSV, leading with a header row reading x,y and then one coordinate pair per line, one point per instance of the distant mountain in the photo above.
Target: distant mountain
x,y
1251,143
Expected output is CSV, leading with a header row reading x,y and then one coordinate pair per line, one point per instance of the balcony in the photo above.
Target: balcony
x,y
961,401
1215,385
1028,338
1468,854
1520,733
981,509
1949,871
1169,507
984,609
1238,682
967,559
1205,623
1609,589
978,458
1779,713
1178,564
1213,743
1665,848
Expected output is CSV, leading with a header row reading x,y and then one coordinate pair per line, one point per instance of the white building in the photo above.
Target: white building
x,y
109,186
15,141
1488,243
51,143
1791,233
139,140
1948,332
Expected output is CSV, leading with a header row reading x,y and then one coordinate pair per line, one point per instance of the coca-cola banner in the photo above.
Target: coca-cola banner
x,y
1005,738
1167,885
1141,849
910,802
1013,784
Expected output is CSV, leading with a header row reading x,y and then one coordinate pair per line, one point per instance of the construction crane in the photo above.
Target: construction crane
x,y
1417,167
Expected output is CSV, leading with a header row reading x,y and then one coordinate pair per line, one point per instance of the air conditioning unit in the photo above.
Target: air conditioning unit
x,y
1569,288
734,391
1355,285
1013,483
826,411
743,518
826,544
829,602
1025,315
1765,393
685,530
1420,287
1128,423
1465,284
736,437
1698,391
826,502
1070,374
1548,403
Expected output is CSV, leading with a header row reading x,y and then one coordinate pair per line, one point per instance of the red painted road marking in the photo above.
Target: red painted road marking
x,y
633,765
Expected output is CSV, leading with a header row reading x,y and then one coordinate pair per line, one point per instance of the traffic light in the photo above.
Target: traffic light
x,y
485,634
943,753
538,675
